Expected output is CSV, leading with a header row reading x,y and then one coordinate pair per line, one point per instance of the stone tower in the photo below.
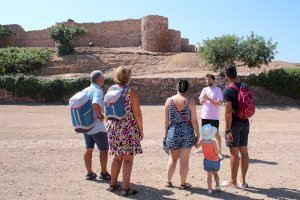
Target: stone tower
x,y
155,33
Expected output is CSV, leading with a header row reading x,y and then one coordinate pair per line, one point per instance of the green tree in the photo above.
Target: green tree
x,y
64,35
227,50
255,51
4,31
220,51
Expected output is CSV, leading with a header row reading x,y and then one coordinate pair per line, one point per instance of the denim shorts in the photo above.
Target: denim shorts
x,y
210,165
100,139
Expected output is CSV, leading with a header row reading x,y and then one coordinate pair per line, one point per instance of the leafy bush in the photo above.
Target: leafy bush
x,y
26,86
53,90
280,81
7,82
22,60
49,90
64,34
225,51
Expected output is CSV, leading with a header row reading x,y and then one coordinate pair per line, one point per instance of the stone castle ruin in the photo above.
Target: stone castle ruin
x,y
151,33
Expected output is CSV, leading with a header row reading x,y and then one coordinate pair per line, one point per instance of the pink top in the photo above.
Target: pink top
x,y
209,151
209,110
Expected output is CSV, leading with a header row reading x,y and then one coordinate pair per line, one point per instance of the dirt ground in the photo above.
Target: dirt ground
x,y
42,158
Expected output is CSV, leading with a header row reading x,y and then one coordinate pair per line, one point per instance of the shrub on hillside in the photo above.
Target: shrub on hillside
x,y
26,86
280,81
49,90
22,60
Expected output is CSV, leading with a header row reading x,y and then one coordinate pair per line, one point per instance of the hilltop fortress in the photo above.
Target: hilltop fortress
x,y
151,33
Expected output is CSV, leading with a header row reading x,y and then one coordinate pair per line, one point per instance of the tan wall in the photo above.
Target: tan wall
x,y
192,48
37,39
106,34
112,34
185,45
151,33
174,41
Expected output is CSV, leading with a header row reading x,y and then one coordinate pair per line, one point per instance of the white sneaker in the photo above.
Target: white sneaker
x,y
209,191
218,188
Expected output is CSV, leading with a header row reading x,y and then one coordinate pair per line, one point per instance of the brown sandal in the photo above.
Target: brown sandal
x,y
185,186
91,176
105,176
129,192
113,188
169,184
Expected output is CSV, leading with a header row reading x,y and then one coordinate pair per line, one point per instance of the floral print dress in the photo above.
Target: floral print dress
x,y
123,135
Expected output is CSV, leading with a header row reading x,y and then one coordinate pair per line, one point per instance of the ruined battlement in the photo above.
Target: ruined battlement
x,y
150,33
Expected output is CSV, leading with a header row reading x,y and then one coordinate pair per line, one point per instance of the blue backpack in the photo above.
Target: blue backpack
x,y
114,103
81,112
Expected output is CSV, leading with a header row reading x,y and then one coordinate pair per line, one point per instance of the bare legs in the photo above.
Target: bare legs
x,y
103,156
183,155
118,161
234,163
244,163
88,159
184,164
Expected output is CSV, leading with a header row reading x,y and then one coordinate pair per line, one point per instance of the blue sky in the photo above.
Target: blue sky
x,y
196,19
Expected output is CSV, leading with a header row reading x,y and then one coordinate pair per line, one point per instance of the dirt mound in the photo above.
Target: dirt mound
x,y
144,63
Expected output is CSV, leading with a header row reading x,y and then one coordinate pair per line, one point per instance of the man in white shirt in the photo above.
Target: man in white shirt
x,y
98,134
211,98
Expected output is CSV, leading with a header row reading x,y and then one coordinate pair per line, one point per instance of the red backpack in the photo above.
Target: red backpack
x,y
246,106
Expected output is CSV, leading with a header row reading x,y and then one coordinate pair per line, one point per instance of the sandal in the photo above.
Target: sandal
x,y
169,184
91,176
113,188
105,176
185,186
228,184
129,192
243,186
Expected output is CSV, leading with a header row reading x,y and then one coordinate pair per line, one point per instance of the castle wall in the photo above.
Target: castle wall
x,y
36,39
192,48
185,45
151,33
125,33
106,34
174,41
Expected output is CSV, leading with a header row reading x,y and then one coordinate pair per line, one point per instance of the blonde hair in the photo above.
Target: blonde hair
x,y
122,75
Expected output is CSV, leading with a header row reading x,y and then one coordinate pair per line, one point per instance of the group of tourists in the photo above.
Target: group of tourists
x,y
122,137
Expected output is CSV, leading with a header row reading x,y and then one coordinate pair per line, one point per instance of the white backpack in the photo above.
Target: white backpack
x,y
81,112
114,103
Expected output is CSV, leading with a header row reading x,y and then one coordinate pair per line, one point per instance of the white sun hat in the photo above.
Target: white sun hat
x,y
208,132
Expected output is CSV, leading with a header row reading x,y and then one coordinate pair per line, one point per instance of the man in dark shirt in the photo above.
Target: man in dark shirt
x,y
237,131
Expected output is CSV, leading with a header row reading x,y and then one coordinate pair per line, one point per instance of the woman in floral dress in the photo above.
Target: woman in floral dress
x,y
125,135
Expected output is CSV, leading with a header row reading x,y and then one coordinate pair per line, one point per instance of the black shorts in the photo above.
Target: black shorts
x,y
240,132
212,122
